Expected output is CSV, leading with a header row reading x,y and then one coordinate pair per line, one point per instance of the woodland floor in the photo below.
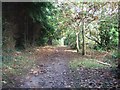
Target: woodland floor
x,y
53,70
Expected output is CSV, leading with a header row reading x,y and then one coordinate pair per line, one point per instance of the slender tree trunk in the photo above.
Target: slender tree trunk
x,y
50,41
27,30
83,34
26,39
119,55
77,42
25,34
83,39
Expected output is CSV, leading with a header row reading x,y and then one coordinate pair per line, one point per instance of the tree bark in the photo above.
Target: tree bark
x,y
83,34
50,41
77,42
119,56
83,39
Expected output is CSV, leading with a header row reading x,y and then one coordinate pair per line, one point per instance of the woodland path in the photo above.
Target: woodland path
x,y
53,70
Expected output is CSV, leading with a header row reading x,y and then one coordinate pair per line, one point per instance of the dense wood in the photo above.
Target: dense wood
x,y
27,31
60,45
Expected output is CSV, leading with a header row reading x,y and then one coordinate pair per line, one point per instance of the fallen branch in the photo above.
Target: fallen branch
x,y
104,63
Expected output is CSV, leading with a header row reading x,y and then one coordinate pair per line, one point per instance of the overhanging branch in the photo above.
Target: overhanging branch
x,y
93,39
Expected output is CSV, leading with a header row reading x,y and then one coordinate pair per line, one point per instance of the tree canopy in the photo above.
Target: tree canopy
x,y
43,22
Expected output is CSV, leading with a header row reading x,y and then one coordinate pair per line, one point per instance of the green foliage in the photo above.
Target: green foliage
x,y
56,42
102,29
41,41
108,33
115,55
57,20
71,39
43,12
60,19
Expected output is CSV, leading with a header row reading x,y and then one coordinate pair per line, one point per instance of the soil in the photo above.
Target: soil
x,y
53,71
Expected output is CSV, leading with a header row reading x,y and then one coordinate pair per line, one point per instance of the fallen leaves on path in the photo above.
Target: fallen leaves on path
x,y
51,69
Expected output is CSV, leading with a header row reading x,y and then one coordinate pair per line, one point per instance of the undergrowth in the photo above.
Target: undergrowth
x,y
15,64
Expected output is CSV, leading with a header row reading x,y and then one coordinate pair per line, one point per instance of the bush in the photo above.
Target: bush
x,y
71,40
8,36
115,55
55,42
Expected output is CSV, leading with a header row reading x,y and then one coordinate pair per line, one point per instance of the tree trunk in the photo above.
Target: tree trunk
x,y
77,42
26,39
83,39
50,41
119,44
25,33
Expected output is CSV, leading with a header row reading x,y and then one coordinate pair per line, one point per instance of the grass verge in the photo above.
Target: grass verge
x,y
15,65
89,63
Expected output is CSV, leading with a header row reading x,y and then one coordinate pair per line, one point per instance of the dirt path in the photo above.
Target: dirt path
x,y
53,70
